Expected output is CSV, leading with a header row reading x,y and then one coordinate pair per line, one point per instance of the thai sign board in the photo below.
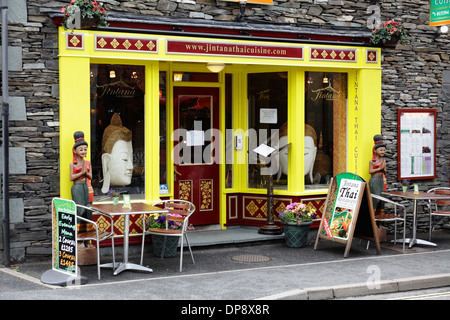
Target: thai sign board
x,y
348,212
439,12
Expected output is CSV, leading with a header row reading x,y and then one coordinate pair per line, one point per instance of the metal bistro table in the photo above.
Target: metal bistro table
x,y
119,210
416,197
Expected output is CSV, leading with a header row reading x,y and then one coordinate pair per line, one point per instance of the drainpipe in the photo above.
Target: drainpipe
x,y
5,132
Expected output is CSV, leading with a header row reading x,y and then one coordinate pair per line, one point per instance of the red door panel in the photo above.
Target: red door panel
x,y
196,113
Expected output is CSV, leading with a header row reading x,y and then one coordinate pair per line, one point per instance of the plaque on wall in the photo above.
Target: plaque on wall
x,y
416,130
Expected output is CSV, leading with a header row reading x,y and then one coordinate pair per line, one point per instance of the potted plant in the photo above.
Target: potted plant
x,y
114,195
297,218
405,184
92,13
389,33
160,221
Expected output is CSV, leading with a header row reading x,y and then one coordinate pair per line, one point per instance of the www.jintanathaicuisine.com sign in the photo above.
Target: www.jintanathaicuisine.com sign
x,y
234,49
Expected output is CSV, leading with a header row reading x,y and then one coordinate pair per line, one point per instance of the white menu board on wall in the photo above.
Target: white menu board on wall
x,y
416,143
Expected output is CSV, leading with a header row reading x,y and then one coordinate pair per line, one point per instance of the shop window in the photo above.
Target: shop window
x,y
267,124
229,129
325,127
117,130
164,189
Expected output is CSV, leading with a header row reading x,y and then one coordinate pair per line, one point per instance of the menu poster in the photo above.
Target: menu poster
x,y
346,203
416,143
64,229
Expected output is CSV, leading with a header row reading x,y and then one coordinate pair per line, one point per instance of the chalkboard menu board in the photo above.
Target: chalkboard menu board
x,y
64,229
416,143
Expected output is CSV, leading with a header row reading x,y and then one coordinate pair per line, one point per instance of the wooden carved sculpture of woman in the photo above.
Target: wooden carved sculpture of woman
x,y
81,174
377,169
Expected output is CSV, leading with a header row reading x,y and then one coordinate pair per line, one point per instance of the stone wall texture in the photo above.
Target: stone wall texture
x,y
415,75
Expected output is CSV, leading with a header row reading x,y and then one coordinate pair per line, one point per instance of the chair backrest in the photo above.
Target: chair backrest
x,y
178,207
394,204
441,190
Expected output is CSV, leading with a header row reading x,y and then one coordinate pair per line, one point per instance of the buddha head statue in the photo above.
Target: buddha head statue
x,y
117,154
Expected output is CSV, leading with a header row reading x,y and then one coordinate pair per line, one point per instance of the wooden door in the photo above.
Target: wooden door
x,y
196,119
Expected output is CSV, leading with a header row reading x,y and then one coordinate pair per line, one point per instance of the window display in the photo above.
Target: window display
x,y
117,130
325,127
267,124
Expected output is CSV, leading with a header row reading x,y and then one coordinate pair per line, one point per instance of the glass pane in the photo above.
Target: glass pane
x,y
194,115
164,189
117,130
325,127
267,122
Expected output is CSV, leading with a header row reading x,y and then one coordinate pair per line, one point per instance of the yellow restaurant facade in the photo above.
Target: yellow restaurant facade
x,y
329,92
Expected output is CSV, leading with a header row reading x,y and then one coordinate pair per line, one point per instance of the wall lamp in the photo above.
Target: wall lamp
x,y
215,67
240,17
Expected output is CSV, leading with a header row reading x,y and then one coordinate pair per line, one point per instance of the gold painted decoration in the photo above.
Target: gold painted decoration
x,y
185,190
206,202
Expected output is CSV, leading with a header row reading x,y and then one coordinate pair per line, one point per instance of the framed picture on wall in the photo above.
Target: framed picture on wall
x,y
416,130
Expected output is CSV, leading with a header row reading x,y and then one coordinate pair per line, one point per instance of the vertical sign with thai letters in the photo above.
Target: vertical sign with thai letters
x,y
64,236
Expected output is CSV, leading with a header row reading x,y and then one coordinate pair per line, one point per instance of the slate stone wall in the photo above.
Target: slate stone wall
x,y
415,75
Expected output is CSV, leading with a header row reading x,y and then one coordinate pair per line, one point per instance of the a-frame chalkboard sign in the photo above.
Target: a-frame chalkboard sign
x,y
64,249
348,212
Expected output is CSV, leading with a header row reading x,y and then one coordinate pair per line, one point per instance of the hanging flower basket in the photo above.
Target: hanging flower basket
x,y
392,42
389,34
92,13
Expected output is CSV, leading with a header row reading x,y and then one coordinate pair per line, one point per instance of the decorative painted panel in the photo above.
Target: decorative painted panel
x,y
371,56
206,199
332,54
126,44
74,41
185,190
256,207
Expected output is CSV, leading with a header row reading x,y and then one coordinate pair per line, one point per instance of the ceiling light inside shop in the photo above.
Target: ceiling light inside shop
x,y
178,76
215,67
112,74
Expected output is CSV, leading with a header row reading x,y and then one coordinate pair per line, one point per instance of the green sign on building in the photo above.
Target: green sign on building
x,y
439,12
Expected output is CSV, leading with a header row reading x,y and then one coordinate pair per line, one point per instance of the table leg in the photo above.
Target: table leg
x,y
125,265
413,241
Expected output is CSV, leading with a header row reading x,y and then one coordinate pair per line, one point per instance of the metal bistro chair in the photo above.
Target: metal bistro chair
x,y
175,207
95,236
393,217
437,207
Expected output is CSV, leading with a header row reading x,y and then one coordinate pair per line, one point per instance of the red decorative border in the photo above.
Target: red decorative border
x,y
332,54
126,44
